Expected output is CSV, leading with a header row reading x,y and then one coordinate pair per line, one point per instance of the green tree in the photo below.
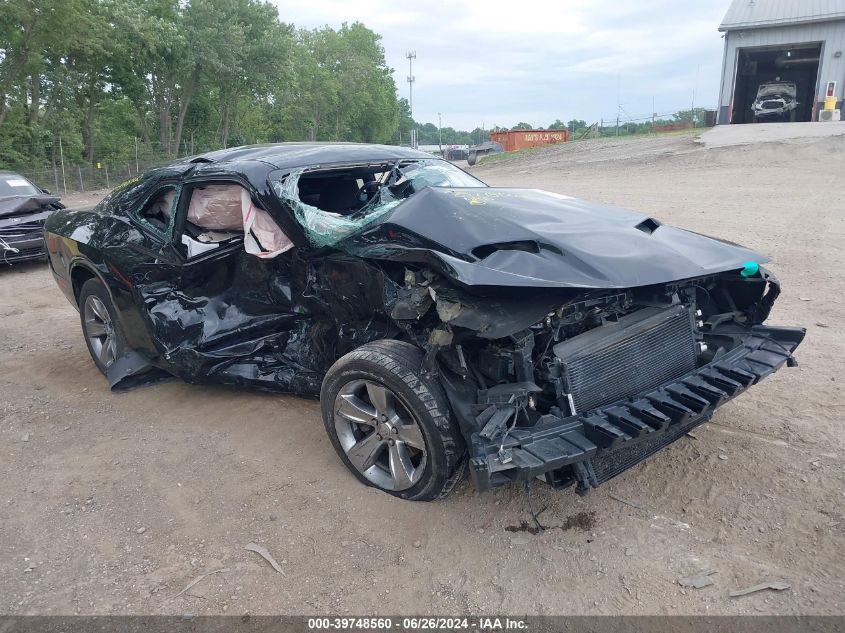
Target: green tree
x,y
28,33
406,123
695,116
576,124
183,75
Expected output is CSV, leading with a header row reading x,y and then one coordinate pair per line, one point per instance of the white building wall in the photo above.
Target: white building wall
x,y
831,67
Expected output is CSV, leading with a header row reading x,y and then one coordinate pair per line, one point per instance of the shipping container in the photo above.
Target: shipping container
x,y
523,139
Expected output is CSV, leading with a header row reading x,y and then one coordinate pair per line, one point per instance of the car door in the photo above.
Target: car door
x,y
218,313
134,244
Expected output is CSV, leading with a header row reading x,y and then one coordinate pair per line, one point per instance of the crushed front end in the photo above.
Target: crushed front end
x,y
22,238
603,380
22,221
775,100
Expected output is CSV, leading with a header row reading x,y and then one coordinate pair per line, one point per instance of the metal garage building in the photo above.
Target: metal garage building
x,y
782,51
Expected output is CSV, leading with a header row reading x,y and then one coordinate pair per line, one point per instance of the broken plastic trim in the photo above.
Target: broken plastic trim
x,y
132,370
325,228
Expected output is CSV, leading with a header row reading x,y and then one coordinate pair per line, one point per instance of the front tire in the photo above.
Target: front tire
x,y
100,326
389,424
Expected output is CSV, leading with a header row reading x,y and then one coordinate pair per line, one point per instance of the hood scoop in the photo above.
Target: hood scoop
x,y
649,225
527,246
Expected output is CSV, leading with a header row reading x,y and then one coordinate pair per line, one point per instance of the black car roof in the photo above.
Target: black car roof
x,y
293,155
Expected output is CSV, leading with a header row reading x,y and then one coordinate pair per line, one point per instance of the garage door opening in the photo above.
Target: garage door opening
x,y
776,84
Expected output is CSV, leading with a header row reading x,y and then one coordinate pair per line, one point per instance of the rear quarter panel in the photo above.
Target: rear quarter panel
x,y
86,242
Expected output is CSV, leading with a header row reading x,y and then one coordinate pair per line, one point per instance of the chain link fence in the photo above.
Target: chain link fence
x,y
65,179
65,172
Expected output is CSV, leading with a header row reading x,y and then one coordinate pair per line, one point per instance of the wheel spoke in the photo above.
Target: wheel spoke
x,y
401,468
104,351
355,410
380,398
411,434
99,309
94,328
364,454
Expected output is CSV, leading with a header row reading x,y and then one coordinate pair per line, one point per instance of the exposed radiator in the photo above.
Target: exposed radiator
x,y
637,353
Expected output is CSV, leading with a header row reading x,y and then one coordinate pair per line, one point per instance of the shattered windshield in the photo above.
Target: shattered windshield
x,y
333,203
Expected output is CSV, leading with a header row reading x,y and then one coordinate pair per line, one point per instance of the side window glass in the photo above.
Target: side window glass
x,y
159,209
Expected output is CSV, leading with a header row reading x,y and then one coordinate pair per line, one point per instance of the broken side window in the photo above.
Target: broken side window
x,y
332,204
325,227
159,209
222,212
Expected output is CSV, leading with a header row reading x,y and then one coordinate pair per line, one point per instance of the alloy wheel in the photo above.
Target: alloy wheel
x,y
99,330
379,435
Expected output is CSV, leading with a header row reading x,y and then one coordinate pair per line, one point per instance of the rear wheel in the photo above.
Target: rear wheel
x,y
390,425
100,327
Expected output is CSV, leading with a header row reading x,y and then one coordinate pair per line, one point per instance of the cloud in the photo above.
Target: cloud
x,y
498,62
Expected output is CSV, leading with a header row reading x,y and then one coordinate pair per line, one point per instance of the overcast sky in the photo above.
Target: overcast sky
x,y
497,62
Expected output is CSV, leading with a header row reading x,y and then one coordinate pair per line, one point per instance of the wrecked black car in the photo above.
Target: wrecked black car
x,y
443,324
24,207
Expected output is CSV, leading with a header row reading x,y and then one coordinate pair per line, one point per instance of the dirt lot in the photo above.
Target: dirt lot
x,y
113,504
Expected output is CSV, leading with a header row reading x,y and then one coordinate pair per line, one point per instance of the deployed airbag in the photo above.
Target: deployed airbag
x,y
230,208
216,207
263,237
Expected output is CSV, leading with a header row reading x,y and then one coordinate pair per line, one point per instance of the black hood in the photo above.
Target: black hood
x,y
531,238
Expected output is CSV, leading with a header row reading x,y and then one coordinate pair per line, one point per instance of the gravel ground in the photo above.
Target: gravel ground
x,y
114,504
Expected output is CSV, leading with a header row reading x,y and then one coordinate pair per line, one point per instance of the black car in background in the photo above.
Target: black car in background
x,y
441,322
24,207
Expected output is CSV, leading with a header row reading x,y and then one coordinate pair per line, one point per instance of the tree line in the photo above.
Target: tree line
x,y
430,134
91,81
174,77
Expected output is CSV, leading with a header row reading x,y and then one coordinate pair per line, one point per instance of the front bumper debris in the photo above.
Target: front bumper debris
x,y
591,448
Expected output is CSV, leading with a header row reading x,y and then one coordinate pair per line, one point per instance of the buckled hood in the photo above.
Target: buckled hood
x,y
15,205
531,238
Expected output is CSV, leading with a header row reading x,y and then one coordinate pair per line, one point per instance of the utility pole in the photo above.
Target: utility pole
x,y
618,101
62,155
440,132
653,115
692,110
137,168
411,56
694,89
